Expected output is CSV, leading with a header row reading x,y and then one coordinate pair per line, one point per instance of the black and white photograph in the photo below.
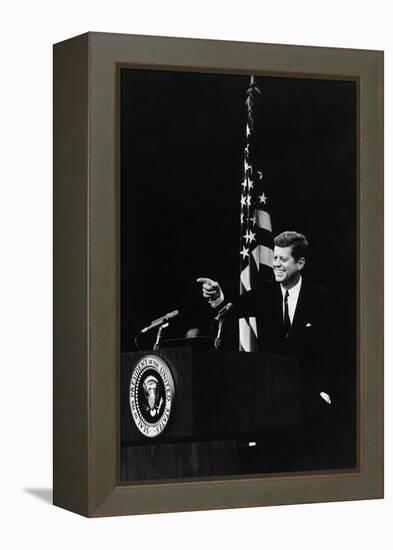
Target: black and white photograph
x,y
194,220
238,261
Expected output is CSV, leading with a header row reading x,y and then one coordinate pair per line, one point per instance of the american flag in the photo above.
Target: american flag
x,y
256,239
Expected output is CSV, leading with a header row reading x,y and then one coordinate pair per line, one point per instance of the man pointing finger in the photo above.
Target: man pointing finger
x,y
212,291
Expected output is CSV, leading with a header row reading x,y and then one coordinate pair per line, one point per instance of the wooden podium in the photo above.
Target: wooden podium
x,y
226,410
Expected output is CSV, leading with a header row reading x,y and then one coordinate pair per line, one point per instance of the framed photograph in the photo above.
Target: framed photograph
x,y
218,323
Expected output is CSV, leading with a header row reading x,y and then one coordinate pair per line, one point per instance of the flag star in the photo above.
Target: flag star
x,y
260,174
244,183
263,198
250,184
241,218
248,200
244,252
248,130
251,236
246,236
253,219
243,200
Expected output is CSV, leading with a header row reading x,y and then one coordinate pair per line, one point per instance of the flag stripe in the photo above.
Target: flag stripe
x,y
255,254
253,324
263,255
249,339
263,236
263,220
245,278
266,272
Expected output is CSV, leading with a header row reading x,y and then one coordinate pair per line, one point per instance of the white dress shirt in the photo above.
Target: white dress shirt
x,y
293,295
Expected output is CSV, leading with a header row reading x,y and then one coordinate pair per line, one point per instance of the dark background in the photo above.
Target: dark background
x,y
182,140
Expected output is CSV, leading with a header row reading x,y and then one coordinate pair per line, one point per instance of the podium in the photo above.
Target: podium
x,y
220,412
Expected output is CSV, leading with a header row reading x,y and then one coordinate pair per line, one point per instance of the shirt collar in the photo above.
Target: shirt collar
x,y
294,290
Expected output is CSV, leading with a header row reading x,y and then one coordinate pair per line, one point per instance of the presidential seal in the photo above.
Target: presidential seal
x,y
152,392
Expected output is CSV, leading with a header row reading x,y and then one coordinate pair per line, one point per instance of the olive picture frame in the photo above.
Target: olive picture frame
x,y
86,385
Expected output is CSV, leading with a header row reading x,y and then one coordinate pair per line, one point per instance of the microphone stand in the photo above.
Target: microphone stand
x,y
220,318
157,342
161,322
217,340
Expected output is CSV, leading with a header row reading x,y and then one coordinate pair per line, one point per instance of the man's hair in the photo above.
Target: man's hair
x,y
296,241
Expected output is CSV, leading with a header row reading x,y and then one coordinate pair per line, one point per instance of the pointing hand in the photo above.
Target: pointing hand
x,y
210,289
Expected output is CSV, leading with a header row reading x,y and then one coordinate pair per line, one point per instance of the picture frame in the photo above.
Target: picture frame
x,y
86,425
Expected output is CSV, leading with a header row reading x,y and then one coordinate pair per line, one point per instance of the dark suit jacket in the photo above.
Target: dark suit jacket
x,y
312,338
312,327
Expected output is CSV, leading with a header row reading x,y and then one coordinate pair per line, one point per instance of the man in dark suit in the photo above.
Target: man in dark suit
x,y
294,317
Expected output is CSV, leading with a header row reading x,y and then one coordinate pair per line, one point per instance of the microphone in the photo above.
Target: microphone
x,y
223,311
220,318
161,320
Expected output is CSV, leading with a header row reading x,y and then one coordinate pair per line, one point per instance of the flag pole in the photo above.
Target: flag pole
x,y
255,224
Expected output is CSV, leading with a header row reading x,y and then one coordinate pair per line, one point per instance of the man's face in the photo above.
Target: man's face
x,y
286,268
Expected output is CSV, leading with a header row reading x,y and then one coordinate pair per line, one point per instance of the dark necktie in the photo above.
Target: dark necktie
x,y
287,322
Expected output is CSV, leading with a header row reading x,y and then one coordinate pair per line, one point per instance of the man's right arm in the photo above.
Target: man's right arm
x,y
243,305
